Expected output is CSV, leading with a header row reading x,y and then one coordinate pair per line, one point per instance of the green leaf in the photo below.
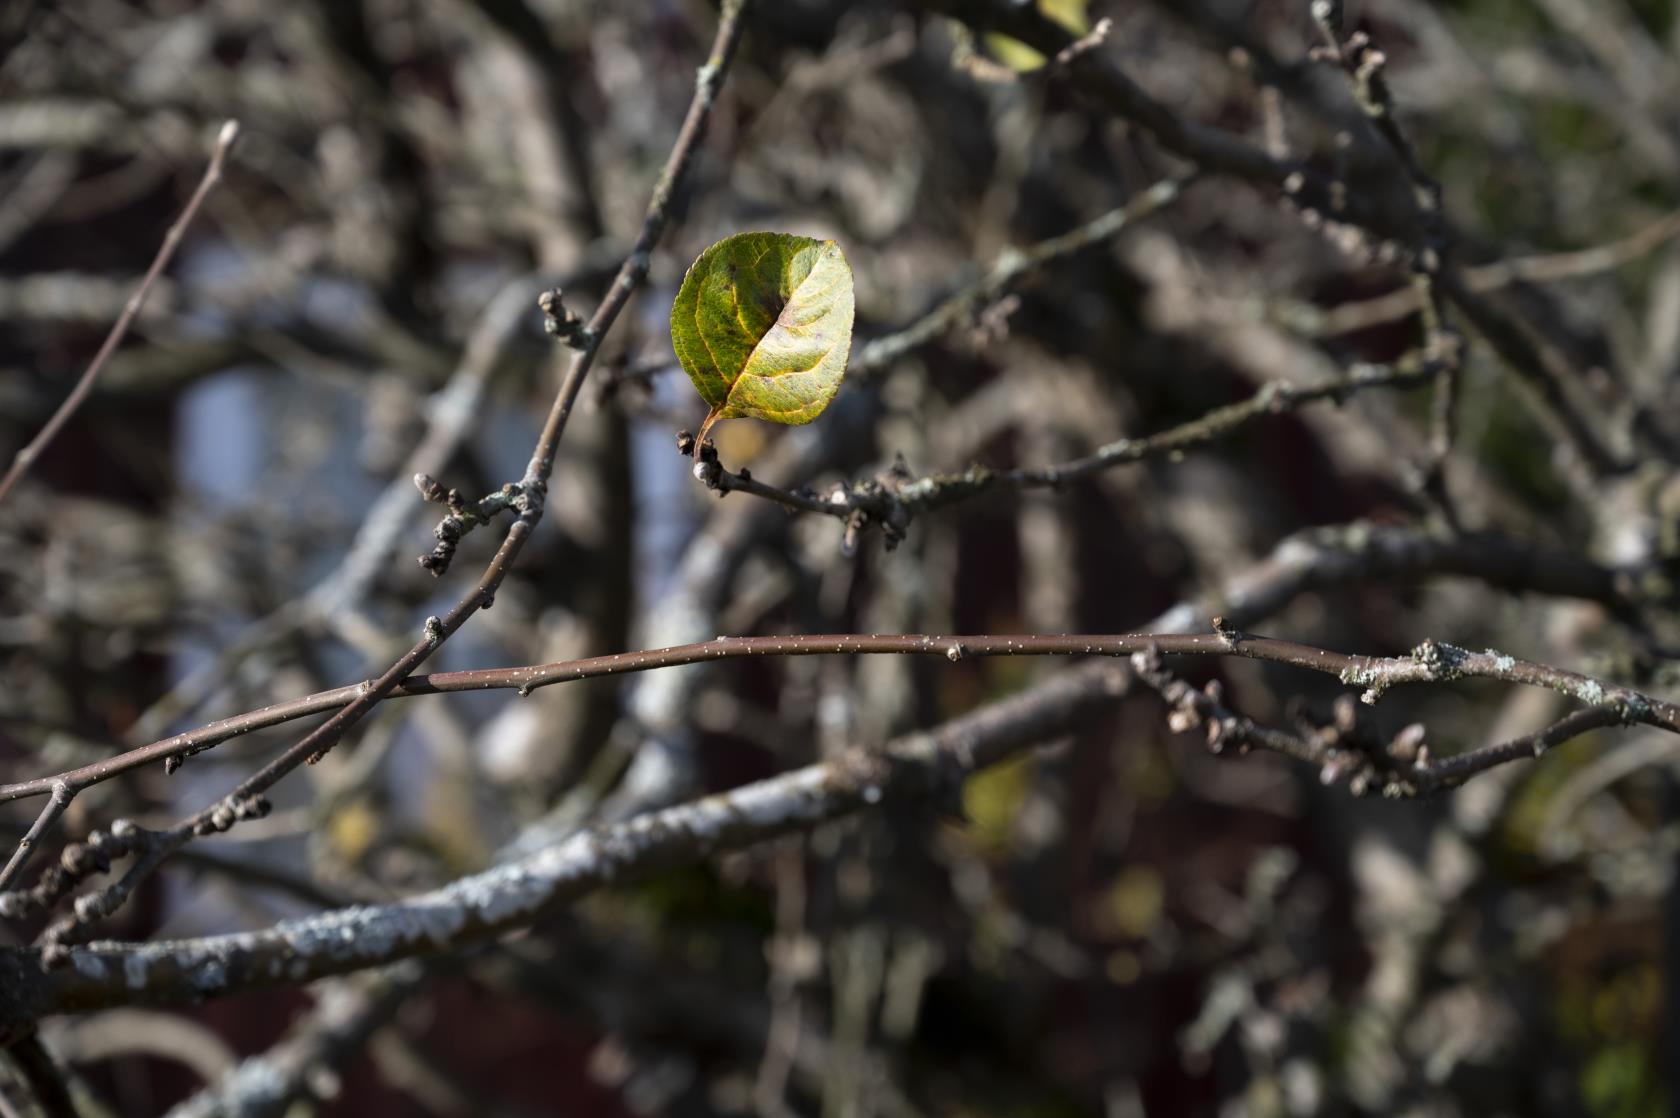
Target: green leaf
x,y
763,327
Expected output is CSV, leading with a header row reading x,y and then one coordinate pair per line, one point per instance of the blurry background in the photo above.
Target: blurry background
x,y
1117,924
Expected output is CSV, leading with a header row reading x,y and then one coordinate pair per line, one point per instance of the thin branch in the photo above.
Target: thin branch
x,y
1363,552
1431,661
1540,366
1403,767
1276,398
166,252
893,499
1091,40
1008,269
1363,65
62,793
1365,68
1379,310
1194,708
1449,772
449,413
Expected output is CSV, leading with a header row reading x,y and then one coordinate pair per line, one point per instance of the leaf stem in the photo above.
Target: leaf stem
x,y
712,417
131,310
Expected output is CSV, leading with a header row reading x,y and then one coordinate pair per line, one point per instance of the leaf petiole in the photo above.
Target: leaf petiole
x,y
712,417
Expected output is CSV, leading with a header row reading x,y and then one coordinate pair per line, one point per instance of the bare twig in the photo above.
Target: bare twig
x,y
1403,768
1348,318
1430,662
1450,772
1009,268
1091,40
59,799
892,499
1365,69
450,412
166,252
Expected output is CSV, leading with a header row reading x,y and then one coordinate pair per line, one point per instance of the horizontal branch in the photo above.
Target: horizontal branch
x,y
1379,310
893,499
1431,661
